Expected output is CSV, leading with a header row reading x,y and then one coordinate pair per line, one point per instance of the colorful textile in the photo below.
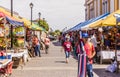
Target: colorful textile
x,y
81,65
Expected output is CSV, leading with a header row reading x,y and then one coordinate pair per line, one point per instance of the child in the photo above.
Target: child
x,y
67,48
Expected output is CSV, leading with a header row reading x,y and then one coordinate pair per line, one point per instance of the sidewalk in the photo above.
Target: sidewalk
x,y
49,65
53,65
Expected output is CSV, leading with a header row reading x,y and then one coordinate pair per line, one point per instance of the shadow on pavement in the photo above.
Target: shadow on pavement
x,y
56,43
74,55
60,62
101,72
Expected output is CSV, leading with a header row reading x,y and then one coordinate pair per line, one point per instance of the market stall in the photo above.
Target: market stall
x,y
20,57
111,22
106,55
18,38
21,30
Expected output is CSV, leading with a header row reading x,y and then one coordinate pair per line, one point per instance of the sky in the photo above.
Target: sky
x,y
58,13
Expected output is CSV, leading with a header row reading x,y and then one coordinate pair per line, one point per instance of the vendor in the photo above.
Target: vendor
x,y
118,41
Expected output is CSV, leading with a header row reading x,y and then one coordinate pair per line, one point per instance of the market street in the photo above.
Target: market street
x,y
53,65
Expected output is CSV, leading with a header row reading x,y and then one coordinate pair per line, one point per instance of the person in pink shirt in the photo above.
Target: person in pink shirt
x,y
67,48
90,53
47,44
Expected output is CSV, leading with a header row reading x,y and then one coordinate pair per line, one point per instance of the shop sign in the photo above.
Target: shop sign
x,y
118,55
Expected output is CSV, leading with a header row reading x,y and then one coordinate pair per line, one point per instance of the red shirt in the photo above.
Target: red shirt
x,y
35,41
67,46
89,48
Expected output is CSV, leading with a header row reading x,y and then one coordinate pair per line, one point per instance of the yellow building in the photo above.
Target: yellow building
x,y
94,8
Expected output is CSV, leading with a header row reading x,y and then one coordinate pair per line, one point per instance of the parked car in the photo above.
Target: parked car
x,y
52,37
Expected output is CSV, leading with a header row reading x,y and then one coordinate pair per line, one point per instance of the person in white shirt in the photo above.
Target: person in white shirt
x,y
94,41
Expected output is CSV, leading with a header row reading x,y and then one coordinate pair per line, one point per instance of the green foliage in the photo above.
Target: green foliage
x,y
44,24
52,33
55,33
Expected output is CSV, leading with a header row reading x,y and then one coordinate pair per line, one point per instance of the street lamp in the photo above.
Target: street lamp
x,y
11,7
39,14
11,24
39,17
43,21
31,6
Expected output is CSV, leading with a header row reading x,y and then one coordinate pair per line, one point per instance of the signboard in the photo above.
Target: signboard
x,y
118,55
19,31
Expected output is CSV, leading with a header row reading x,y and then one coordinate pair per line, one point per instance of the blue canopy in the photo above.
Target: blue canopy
x,y
14,23
77,27
71,29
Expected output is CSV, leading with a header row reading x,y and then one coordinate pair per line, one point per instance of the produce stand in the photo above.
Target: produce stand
x,y
18,37
19,57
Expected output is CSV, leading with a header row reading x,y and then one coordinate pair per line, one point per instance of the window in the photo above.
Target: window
x,y
91,10
105,6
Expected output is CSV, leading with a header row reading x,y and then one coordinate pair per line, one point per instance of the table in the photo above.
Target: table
x,y
22,53
20,56
106,55
118,56
4,62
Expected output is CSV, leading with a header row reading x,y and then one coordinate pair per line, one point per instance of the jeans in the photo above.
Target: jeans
x,y
67,54
89,70
37,50
95,57
46,48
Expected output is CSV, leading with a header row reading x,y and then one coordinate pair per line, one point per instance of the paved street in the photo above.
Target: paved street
x,y
53,65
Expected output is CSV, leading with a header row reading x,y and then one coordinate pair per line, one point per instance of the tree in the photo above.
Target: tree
x,y
57,32
44,24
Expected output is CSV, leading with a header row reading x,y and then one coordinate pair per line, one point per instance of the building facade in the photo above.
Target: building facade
x,y
94,8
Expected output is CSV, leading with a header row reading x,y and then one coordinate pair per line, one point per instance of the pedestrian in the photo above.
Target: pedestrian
x,y
90,53
67,48
47,44
28,46
36,43
62,39
107,42
94,41
118,41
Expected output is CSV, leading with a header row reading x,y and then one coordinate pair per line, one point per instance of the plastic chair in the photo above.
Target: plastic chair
x,y
6,71
9,68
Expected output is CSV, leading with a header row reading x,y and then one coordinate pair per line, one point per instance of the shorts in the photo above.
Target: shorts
x,y
67,54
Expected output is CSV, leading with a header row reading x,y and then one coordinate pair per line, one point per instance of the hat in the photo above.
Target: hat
x,y
85,35
67,36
